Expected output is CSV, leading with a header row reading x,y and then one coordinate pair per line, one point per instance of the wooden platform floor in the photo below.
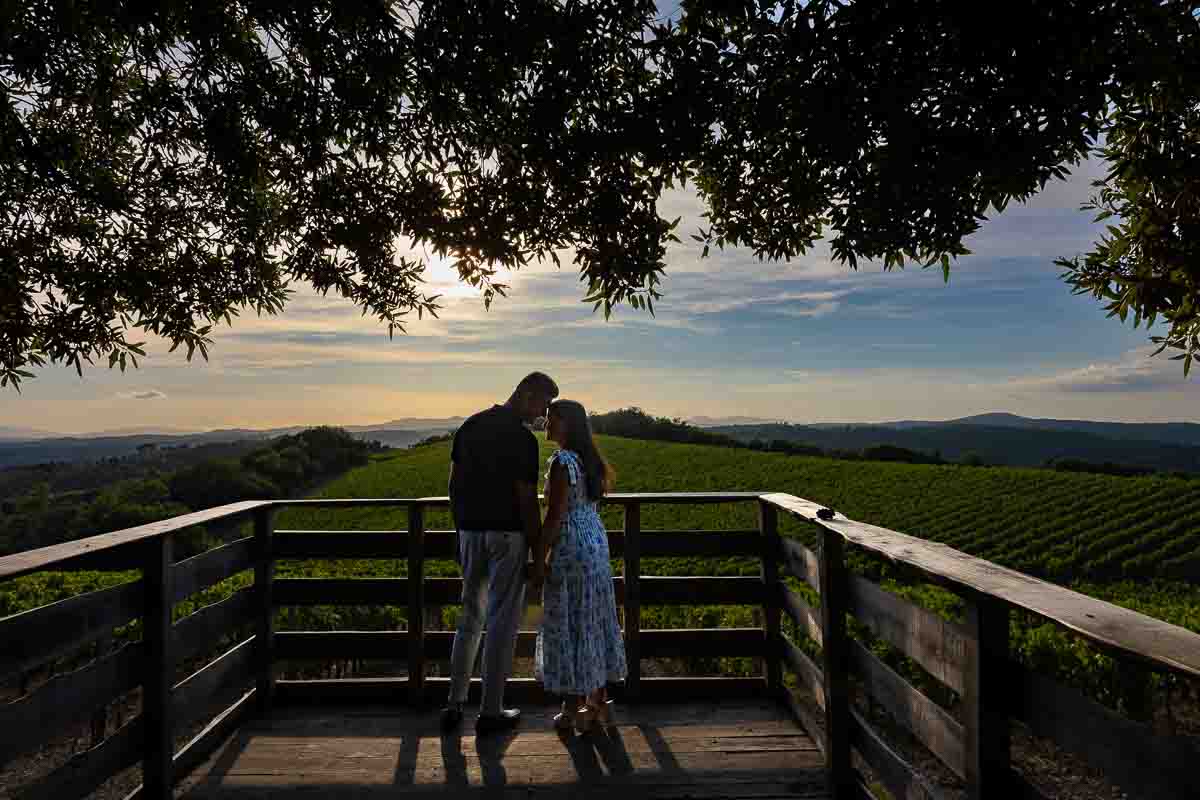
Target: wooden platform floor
x,y
725,750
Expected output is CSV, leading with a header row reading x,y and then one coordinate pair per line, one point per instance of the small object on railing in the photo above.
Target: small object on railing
x,y
826,513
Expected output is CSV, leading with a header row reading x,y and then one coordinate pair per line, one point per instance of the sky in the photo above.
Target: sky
x,y
805,341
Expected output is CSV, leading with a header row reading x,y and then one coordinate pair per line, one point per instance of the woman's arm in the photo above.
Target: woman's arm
x,y
556,501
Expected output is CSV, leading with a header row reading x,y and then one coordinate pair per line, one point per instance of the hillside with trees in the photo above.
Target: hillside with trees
x,y
44,506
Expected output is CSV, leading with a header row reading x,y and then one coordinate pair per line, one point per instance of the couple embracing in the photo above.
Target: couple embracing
x,y
493,496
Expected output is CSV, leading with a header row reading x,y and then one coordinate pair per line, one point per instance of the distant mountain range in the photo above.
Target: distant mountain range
x,y
997,438
21,446
1005,439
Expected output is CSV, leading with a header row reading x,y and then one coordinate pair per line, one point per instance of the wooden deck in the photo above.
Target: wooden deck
x,y
726,750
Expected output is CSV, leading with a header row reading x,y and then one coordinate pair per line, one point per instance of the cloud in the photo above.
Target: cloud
x,y
149,394
1136,371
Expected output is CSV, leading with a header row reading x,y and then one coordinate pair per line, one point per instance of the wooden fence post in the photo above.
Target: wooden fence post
x,y
838,769
986,700
768,528
633,599
264,630
416,604
158,667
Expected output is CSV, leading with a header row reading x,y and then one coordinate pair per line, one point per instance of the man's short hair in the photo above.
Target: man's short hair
x,y
540,383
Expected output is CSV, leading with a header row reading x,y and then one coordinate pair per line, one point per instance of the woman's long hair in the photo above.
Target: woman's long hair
x,y
597,472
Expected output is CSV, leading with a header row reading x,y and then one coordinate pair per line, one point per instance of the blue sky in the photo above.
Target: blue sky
x,y
803,341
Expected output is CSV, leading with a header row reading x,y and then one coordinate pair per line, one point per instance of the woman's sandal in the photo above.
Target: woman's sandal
x,y
590,715
566,719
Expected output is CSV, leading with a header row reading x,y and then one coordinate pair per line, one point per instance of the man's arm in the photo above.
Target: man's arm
x,y
531,520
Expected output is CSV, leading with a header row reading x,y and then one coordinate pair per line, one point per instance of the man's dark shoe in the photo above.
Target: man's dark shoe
x,y
506,720
451,717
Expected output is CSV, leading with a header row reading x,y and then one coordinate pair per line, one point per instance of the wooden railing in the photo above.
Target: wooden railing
x,y
970,657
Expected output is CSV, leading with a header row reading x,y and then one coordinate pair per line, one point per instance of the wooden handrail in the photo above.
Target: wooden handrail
x,y
1111,626
969,658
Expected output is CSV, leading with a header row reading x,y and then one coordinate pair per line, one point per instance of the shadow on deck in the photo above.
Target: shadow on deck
x,y
715,750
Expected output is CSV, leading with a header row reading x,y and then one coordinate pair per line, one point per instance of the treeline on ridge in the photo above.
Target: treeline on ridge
x,y
282,467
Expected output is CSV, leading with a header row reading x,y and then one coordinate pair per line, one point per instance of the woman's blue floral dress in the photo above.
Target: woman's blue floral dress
x,y
579,646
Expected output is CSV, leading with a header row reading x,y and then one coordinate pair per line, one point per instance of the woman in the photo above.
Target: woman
x,y
579,647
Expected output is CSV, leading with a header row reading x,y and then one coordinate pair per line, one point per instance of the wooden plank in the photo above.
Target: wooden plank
x,y
930,723
669,643
190,698
803,668
938,645
801,613
804,717
264,608
1131,754
717,544
696,590
801,562
1111,626
350,591
632,598
362,502
157,668
656,591
834,662
56,556
86,771
986,700
341,544
203,744
896,774
213,566
67,697
700,642
768,542
394,691
200,630
34,637
416,600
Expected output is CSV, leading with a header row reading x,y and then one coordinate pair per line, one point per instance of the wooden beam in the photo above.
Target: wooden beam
x,y
1131,754
986,699
768,542
211,567
804,717
416,602
205,743
392,645
34,637
264,608
655,591
69,696
158,741
803,668
199,631
801,562
938,645
633,598
191,697
85,772
800,612
931,724
902,781
834,638
1108,625
57,556
394,691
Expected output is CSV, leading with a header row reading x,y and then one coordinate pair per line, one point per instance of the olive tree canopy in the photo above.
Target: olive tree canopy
x,y
163,166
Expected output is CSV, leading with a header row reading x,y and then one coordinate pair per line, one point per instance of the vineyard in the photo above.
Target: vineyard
x,y
1132,541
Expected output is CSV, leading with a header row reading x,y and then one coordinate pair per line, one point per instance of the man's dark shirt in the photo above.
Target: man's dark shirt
x,y
492,451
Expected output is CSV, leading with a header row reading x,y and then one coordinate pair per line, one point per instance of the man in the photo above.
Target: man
x,y
493,496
